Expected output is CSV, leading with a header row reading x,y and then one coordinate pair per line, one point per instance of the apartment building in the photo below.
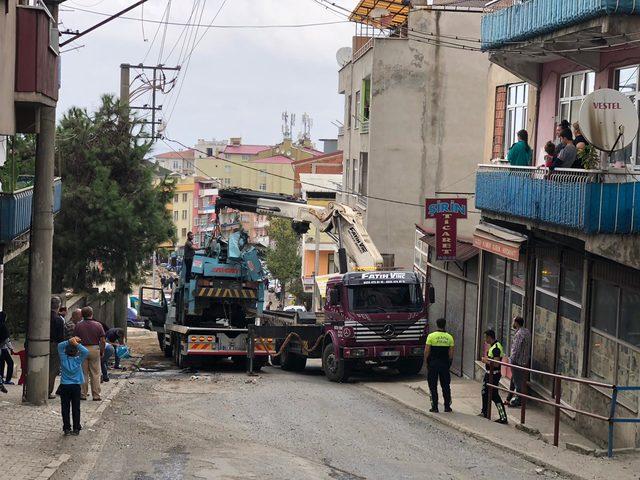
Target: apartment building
x,y
205,192
181,162
562,250
414,117
182,207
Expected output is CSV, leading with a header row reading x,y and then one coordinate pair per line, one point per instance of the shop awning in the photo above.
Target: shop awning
x,y
501,241
381,13
464,250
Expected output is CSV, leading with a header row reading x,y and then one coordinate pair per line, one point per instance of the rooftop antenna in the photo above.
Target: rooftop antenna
x,y
307,124
288,121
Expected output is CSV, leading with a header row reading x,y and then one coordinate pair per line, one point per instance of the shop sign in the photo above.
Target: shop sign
x,y
502,249
446,211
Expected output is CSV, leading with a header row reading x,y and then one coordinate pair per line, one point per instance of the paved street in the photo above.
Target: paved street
x,y
221,424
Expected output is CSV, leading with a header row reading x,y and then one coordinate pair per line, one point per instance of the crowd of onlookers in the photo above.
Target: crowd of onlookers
x,y
81,348
563,152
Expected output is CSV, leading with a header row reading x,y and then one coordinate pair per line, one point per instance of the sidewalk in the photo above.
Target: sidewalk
x,y
32,440
535,444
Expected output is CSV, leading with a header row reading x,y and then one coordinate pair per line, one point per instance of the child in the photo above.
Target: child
x,y
72,355
550,157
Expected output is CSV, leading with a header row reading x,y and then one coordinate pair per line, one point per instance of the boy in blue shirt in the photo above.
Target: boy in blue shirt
x,y
72,355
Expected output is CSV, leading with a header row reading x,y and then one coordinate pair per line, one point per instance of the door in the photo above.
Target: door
x,y
153,307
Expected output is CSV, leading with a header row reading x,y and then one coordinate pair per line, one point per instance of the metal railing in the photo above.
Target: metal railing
x,y
364,126
526,20
586,200
556,404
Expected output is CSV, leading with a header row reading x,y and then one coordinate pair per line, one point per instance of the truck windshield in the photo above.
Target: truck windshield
x,y
385,298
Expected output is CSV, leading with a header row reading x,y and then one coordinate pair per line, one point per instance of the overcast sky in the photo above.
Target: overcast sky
x,y
239,81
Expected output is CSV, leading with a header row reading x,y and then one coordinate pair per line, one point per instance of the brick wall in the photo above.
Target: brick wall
x,y
499,122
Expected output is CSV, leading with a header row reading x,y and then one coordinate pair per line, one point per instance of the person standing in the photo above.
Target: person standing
x,y
494,352
520,153
72,356
569,153
92,336
563,125
71,322
189,253
56,335
6,349
519,356
439,355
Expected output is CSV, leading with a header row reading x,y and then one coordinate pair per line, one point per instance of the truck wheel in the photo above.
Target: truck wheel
x,y
292,362
409,366
177,352
335,368
164,346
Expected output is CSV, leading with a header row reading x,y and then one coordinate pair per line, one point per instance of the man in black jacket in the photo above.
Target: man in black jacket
x,y
56,335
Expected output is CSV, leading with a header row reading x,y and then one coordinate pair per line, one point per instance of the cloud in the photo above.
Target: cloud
x,y
238,81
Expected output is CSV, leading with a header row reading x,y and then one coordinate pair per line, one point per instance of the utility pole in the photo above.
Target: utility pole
x,y
125,92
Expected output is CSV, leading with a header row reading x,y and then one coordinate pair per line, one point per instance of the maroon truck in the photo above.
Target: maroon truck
x,y
369,319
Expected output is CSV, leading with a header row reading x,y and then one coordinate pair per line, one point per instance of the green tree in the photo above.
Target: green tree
x,y
113,216
283,260
21,158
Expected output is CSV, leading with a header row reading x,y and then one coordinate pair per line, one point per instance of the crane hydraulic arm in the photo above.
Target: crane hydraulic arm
x,y
343,224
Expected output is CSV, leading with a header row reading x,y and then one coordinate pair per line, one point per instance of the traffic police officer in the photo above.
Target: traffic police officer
x,y
439,355
495,352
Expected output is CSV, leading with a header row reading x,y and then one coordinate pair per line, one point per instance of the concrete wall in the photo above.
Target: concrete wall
x,y
426,129
7,70
103,306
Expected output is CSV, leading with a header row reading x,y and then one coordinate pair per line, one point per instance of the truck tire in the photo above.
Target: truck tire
x,y
410,366
292,362
336,369
177,352
164,346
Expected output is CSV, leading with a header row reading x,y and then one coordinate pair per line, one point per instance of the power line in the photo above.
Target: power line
x,y
221,27
284,177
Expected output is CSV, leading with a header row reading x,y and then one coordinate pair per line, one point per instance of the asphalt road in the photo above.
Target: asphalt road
x,y
221,424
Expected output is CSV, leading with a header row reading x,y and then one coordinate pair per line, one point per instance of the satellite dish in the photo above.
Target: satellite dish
x,y
377,13
608,120
343,56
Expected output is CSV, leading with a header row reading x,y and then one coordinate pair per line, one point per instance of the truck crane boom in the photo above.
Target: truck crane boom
x,y
343,224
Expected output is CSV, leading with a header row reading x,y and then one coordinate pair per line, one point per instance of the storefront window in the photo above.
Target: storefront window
x,y
614,355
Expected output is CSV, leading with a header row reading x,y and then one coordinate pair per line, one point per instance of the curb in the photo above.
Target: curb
x,y
53,467
478,436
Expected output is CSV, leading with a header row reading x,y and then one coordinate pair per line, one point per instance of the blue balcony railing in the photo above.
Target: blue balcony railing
x,y
15,211
586,201
532,18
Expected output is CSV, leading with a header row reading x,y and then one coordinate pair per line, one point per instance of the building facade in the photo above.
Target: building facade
x,y
181,162
406,105
562,249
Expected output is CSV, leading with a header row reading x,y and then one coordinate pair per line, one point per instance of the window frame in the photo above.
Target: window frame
x,y
521,108
632,161
357,109
571,98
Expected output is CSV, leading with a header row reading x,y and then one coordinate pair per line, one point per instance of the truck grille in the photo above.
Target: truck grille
x,y
376,332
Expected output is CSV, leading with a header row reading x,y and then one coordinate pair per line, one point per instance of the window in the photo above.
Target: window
x,y
184,197
626,81
209,152
357,114
331,268
366,99
227,169
263,187
175,198
347,112
262,173
184,232
246,157
227,181
176,165
184,214
175,215
573,88
516,113
364,173
614,350
354,176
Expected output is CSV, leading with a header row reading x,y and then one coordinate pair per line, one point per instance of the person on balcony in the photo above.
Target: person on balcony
x,y
563,125
520,153
579,141
569,153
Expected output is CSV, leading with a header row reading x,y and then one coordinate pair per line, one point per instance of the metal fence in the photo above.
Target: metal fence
x,y
557,403
577,199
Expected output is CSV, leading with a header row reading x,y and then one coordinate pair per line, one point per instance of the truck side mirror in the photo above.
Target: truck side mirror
x,y
432,294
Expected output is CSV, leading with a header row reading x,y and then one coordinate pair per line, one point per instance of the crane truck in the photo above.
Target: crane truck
x,y
210,310
371,317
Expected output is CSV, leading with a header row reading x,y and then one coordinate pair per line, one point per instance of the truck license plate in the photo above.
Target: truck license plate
x,y
390,353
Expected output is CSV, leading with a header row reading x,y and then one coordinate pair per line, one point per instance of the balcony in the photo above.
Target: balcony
x,y
588,202
15,211
533,18
364,126
36,79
